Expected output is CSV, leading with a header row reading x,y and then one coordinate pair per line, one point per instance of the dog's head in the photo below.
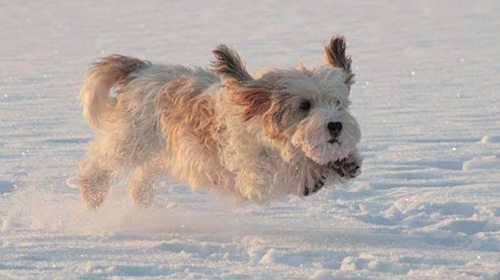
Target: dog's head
x,y
301,111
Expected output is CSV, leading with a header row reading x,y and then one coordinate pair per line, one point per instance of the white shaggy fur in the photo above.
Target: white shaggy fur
x,y
251,138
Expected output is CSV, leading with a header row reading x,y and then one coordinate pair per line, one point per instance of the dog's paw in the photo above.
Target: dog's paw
x,y
349,167
318,186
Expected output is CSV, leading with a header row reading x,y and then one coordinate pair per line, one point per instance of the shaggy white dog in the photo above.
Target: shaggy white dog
x,y
254,138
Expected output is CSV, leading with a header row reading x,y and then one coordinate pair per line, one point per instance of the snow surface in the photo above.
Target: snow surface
x,y
427,97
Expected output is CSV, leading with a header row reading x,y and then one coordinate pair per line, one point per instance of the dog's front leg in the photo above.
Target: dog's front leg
x,y
317,186
336,172
349,167
314,177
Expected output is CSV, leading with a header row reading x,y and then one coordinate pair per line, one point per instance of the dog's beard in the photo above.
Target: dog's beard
x,y
317,143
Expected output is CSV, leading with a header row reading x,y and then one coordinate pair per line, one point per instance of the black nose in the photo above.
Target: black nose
x,y
335,128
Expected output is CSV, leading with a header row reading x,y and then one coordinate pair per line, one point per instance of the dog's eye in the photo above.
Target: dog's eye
x,y
338,103
305,105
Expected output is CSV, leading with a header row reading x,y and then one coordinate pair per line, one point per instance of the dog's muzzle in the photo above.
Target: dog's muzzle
x,y
324,137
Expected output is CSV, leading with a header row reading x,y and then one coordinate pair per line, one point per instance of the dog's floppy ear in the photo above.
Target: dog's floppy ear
x,y
250,94
229,65
335,57
255,101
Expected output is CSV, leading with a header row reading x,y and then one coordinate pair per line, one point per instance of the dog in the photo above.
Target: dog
x,y
254,138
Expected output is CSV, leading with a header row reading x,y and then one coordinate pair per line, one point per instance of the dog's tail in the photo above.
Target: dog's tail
x,y
109,72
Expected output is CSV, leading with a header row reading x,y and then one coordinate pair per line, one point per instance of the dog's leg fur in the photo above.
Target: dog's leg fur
x,y
142,190
94,183
96,171
107,153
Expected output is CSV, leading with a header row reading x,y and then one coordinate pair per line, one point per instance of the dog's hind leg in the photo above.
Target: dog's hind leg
x,y
96,171
142,188
94,183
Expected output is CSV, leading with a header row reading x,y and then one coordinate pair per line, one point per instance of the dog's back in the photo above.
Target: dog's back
x,y
144,93
132,78
135,128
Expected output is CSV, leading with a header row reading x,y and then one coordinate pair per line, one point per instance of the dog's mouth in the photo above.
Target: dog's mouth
x,y
333,141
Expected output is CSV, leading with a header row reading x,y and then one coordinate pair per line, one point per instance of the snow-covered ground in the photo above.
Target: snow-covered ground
x,y
427,205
